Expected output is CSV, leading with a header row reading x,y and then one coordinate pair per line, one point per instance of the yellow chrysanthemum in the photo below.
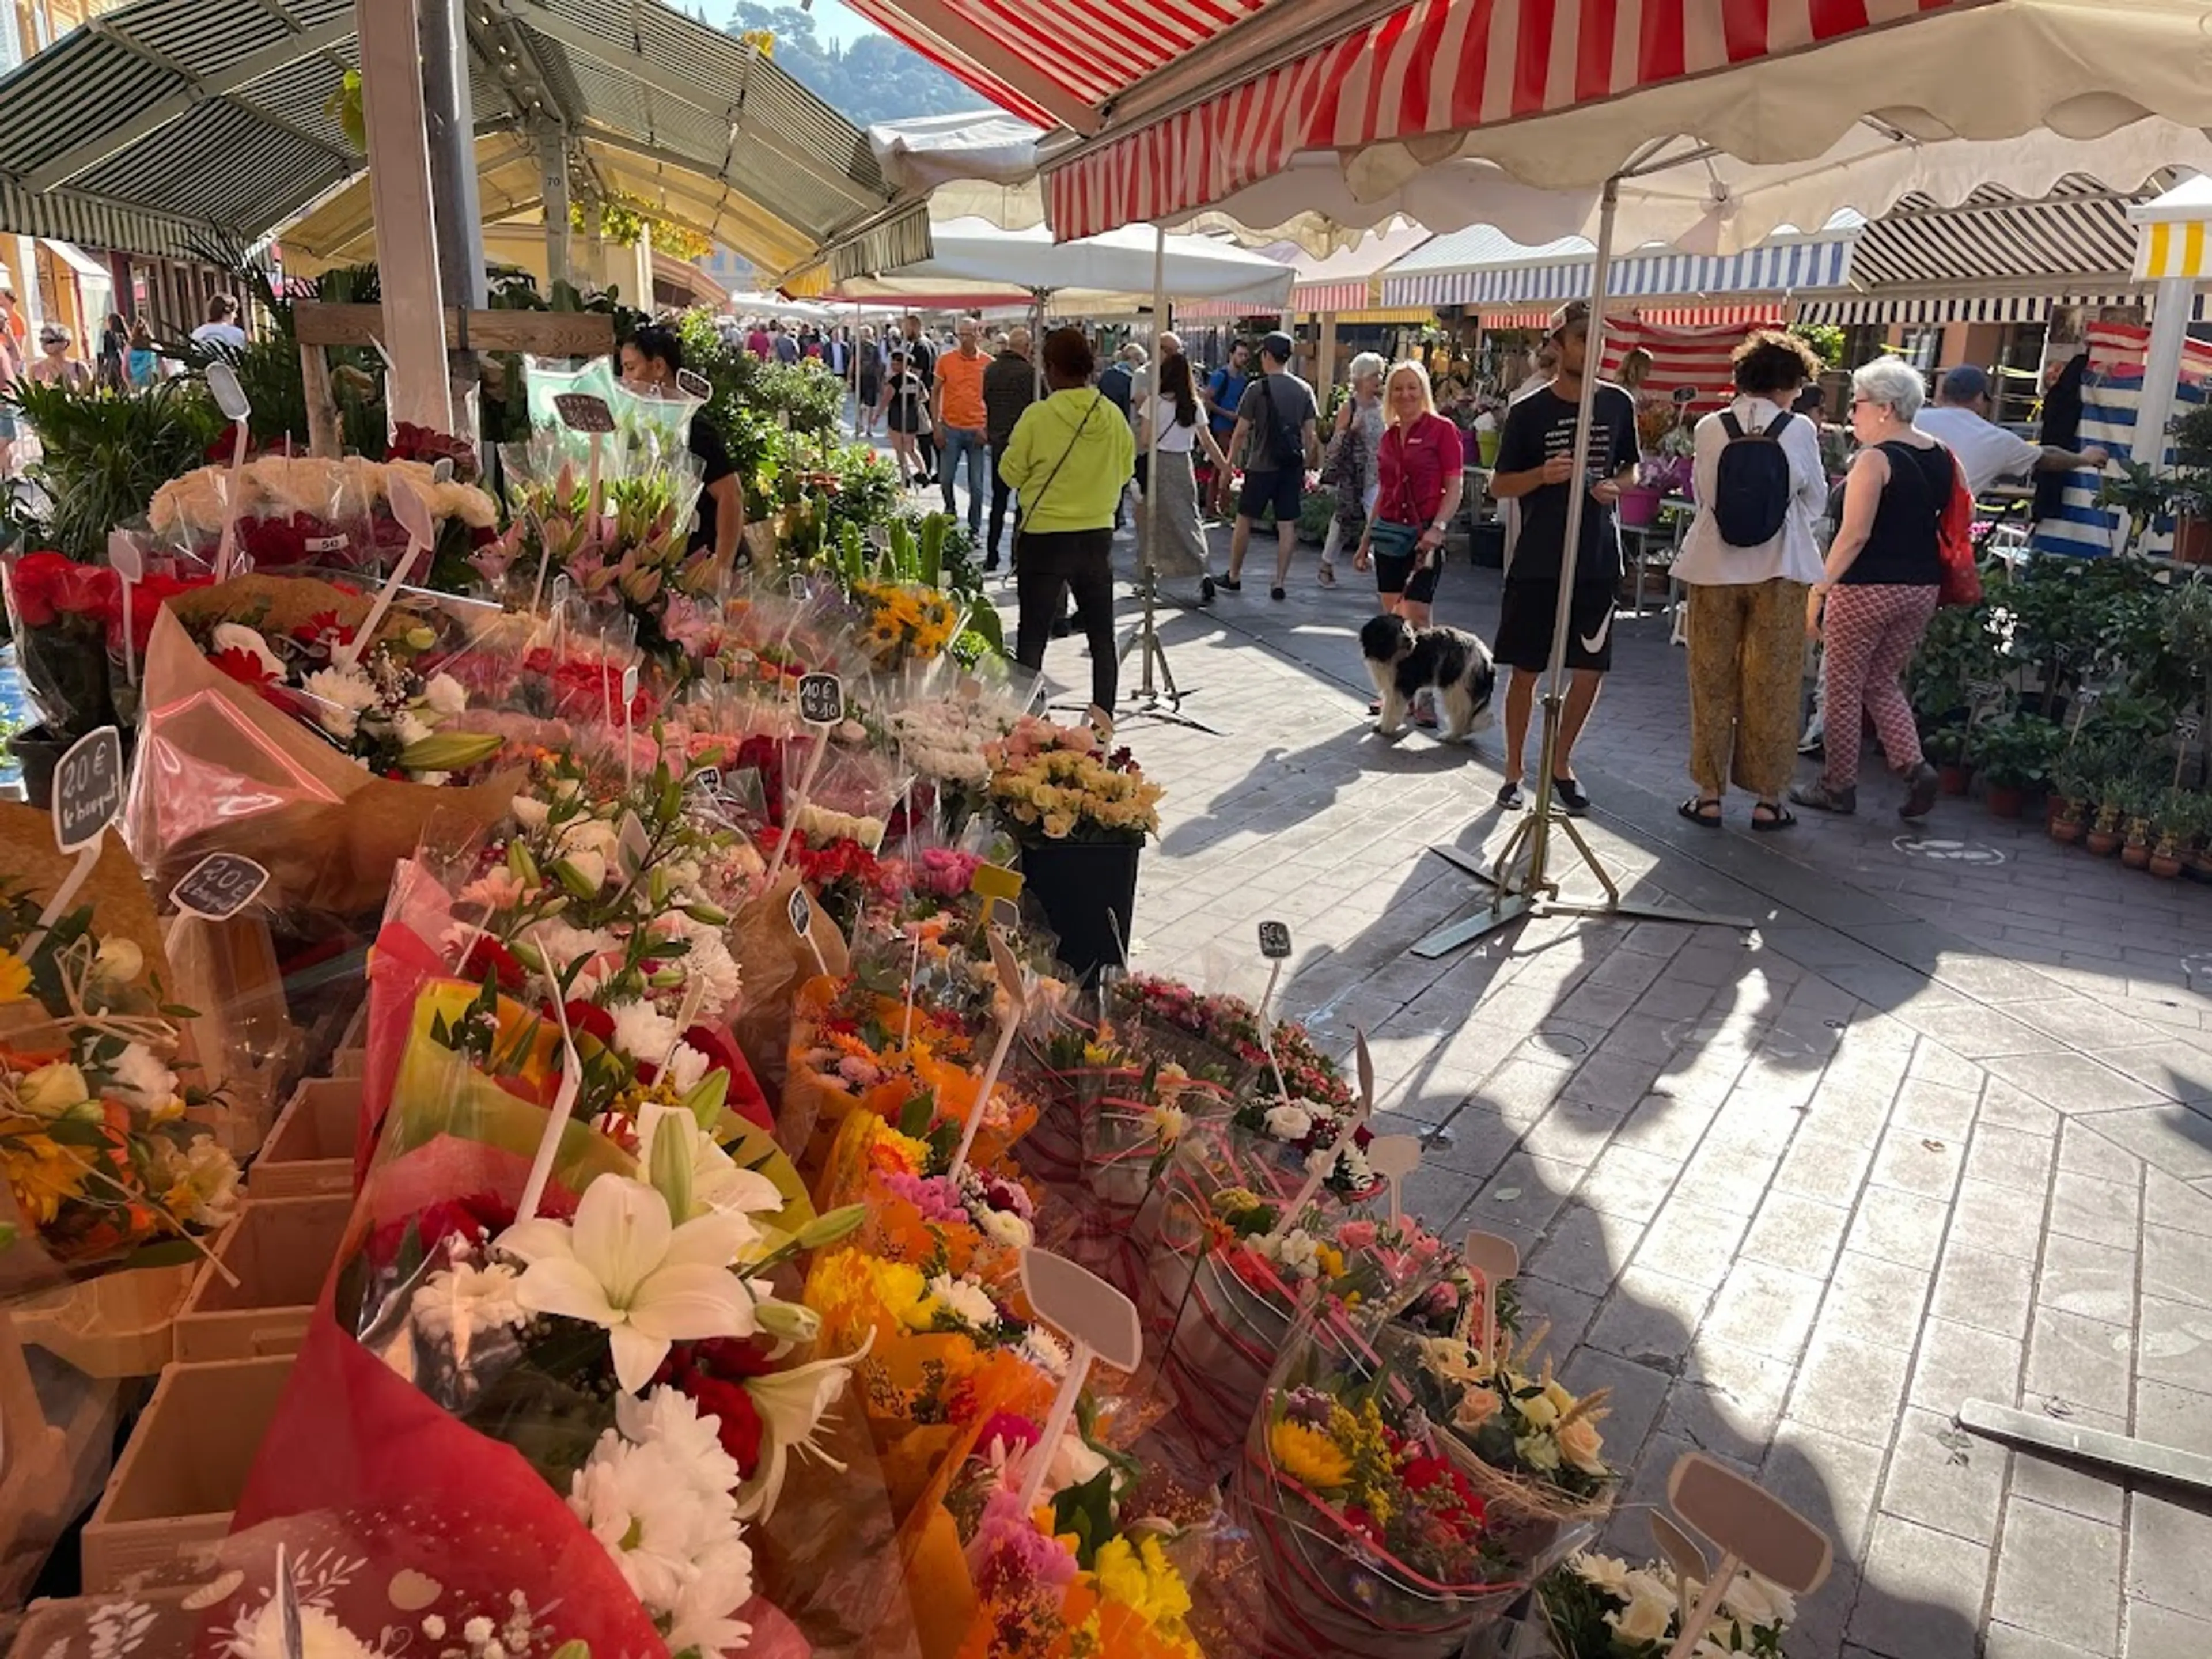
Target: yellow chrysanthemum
x,y
14,978
1308,1456
43,1176
1142,1578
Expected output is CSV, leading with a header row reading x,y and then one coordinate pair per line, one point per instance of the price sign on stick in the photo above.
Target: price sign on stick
x,y
1099,1323
1492,1260
1275,947
1275,941
820,703
584,411
1010,981
707,781
628,701
288,1608
412,514
821,699
1394,1157
128,563
1753,1529
88,789
692,384
1001,885
230,397
219,886
800,913
1680,1551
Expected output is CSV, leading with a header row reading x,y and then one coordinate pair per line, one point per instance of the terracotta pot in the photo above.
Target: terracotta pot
x,y
2006,800
1952,778
2135,854
2193,540
2165,865
2065,829
2104,843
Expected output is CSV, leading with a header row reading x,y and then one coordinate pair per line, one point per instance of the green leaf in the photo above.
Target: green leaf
x,y
1087,1511
914,1116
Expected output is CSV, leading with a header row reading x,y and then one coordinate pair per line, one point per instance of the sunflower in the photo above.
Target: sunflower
x,y
14,978
1308,1455
43,1176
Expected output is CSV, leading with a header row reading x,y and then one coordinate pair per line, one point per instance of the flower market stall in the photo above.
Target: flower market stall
x,y
559,1097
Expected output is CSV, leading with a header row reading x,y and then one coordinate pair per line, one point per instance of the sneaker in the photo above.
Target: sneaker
x,y
1821,798
1277,593
1814,741
1920,782
990,564
1231,585
1510,797
1205,590
1569,793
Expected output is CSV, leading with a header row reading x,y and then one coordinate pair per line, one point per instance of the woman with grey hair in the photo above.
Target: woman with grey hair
x,y
1349,461
1878,586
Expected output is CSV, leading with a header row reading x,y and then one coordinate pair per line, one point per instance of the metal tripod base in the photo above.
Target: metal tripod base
x,y
1509,903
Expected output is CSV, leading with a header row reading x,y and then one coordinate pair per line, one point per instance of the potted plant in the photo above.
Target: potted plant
x,y
2103,837
1945,747
2174,828
2191,431
2135,813
2014,758
2067,811
2140,492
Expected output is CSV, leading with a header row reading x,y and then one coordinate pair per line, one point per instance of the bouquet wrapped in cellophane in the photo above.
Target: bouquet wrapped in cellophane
x,y
1366,1540
108,1156
1598,1607
264,732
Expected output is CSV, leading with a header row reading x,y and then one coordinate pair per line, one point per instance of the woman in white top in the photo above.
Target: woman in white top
x,y
1181,427
1355,447
1749,561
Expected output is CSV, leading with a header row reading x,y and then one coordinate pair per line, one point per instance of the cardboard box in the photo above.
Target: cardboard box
x,y
309,1152
183,1472
282,1250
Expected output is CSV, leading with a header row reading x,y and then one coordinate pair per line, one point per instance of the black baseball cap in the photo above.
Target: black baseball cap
x,y
1280,346
1964,384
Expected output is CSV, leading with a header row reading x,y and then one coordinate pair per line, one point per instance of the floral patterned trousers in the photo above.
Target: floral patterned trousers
x,y
1872,632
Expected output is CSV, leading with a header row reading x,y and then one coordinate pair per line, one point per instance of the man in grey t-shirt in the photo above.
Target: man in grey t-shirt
x,y
1277,435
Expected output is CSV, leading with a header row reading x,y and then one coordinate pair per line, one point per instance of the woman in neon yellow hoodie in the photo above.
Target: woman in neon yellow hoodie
x,y
1069,460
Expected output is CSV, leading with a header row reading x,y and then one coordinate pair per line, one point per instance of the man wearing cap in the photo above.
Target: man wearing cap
x,y
1959,419
1277,432
1535,468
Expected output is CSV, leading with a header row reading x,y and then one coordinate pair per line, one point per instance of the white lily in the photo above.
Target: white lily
x,y
717,1183
792,1406
623,1265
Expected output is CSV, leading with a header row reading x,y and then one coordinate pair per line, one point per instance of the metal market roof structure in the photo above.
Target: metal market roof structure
x,y
165,124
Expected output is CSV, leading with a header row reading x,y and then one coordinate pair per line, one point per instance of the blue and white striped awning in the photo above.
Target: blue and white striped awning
x,y
1562,271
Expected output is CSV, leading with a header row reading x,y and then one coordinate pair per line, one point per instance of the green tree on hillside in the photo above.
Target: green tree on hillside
x,y
874,79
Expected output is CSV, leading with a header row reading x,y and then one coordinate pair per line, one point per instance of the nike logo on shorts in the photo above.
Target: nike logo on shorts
x,y
1595,643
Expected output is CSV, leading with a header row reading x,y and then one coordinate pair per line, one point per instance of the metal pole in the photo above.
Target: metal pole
x,y
1148,565
553,191
450,132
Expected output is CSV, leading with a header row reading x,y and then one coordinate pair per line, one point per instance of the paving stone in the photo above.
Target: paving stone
x,y
1956,1362
1916,1163
2011,1159
2169,1541
2102,1211
1976,1032
1765,1309
1694,1241
1664,1125
2156,1632
1922,1594
1635,1394
1796,1233
1818,1167
1875,1301
1519,1201
2084,1150
2172,1203
1997,1219
1936,1108
1940,1477
1628,1183
1981,1288
2062,1483
1649,1318
2059,1575
2097,1281
1938,1064
2173,1341
1850,1386
1899,1226
2179,1069
1571,1132
2176,1140
2169,1415
2079,1361
2004,1107
2070,1083
2011,1642
1583,1249
1727,1399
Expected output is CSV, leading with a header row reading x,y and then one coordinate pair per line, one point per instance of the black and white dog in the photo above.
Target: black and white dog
x,y
1404,658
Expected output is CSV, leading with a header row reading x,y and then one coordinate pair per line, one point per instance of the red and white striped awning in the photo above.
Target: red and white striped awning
x,y
1332,296
1738,318
1220,311
1539,319
1431,67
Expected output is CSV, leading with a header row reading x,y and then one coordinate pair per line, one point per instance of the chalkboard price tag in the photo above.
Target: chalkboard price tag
x,y
801,912
219,886
2187,727
821,699
581,411
1275,941
708,780
692,384
1985,691
88,789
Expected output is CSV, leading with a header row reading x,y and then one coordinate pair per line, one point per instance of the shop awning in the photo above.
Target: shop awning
x,y
164,125
1924,309
1484,267
2170,231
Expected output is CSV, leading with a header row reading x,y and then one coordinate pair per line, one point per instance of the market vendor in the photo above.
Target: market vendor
x,y
650,361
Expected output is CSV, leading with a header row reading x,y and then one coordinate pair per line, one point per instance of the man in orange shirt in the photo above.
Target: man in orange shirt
x,y
961,421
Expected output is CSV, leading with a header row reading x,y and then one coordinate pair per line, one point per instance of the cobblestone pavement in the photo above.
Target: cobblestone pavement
x,y
1939,1129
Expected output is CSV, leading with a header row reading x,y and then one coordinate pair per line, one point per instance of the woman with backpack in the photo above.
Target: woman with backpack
x,y
1882,577
1749,561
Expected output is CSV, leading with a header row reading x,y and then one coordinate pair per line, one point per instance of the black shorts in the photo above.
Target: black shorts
x,y
1285,491
1524,626
1402,574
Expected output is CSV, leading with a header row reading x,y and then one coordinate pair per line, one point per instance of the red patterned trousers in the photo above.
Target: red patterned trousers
x,y
1871,632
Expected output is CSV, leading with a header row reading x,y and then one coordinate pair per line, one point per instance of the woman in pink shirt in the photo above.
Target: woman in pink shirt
x,y
1419,482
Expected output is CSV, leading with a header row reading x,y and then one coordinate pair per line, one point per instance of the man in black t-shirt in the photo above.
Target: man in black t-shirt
x,y
1535,467
650,360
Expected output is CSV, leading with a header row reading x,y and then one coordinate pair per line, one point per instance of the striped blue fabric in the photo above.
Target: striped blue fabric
x,y
1772,268
2109,404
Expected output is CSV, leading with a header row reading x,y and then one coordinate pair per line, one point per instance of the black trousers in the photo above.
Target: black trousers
x,y
925,445
1002,495
1046,568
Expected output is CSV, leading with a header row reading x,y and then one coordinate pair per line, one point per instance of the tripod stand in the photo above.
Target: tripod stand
x,y
1162,701
1531,888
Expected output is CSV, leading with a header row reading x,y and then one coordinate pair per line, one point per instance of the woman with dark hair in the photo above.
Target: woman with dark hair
x,y
1749,561
650,360
1069,459
1174,421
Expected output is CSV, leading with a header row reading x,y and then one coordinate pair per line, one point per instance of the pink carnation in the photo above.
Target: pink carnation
x,y
1356,1235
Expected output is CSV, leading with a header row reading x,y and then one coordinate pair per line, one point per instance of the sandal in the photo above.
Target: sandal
x,y
1696,810
1509,797
1778,816
1327,575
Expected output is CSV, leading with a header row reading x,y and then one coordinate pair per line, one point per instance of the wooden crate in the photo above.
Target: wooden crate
x,y
183,1473
282,1250
350,1063
309,1151
121,1324
55,1450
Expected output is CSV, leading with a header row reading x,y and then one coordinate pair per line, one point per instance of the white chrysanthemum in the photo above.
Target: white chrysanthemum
x,y
671,1419
642,1031
1044,1351
701,1618
456,1303
564,945
142,1077
409,727
708,968
341,694
686,1068
321,1636
651,1519
965,1300
529,812
1004,1227
1288,1122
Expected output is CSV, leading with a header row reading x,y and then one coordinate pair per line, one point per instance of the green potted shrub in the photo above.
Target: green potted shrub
x,y
2015,758
2175,826
2191,431
2138,802
2072,785
2104,827
1945,747
2140,492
